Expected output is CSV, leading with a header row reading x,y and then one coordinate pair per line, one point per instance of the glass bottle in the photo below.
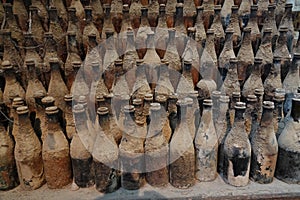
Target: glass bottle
x,y
56,152
166,129
164,85
199,25
185,85
34,84
43,13
215,97
12,24
287,167
8,170
208,12
153,10
250,115
182,154
125,25
98,86
12,87
236,97
89,28
97,13
290,83
35,26
218,30
244,12
237,151
278,117
131,150
81,158
190,115
172,110
254,81
265,52
151,60
258,92
273,80
105,159
210,49
222,126
20,12
226,53
107,21
172,56
16,103
262,11
156,149
287,21
161,32
189,10
142,33
255,33
269,22
281,50
264,147
231,83
62,12
234,24
181,30
135,14
138,104
279,11
72,57
116,13
28,152
206,145
245,57
68,117
170,12
57,87
146,109
79,86
120,85
226,12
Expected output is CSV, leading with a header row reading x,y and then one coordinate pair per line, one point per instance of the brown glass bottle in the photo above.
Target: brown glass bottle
x,y
218,30
273,80
161,32
135,14
206,145
287,167
36,27
172,56
131,150
153,8
245,56
269,22
208,12
250,115
9,176
182,155
237,151
234,24
264,147
164,85
156,149
20,12
43,13
28,153
231,83
255,33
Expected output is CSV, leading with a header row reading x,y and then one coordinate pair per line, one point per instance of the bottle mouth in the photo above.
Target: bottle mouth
x,y
51,110
22,110
48,99
102,111
78,108
240,105
268,104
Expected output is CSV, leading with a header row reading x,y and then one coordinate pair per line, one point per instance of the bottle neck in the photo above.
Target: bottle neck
x,y
207,116
247,39
104,122
150,42
282,40
72,44
23,119
130,43
266,38
53,122
228,41
31,72
144,20
199,19
181,114
239,116
278,109
10,76
267,118
256,69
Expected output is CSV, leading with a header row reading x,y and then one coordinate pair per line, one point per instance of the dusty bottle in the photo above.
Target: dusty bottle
x,y
245,57
43,13
180,28
222,126
255,33
231,83
279,11
189,10
57,88
89,28
35,27
20,12
262,11
146,109
259,92
125,25
56,152
129,59
254,81
151,60
237,151
200,29
12,24
153,8
135,13
9,176
12,86
226,12
138,110
210,49
236,97
116,13
172,110
166,129
281,50
250,113
164,85
98,87
68,117
291,82
107,21
287,21
218,29
120,85
170,12
190,117
244,12
16,102
264,147
34,84
186,84
273,80
287,168
234,24
28,153
161,32
97,13
72,57
131,150
226,53
81,158
278,117
142,33
206,145
105,159
156,149
79,86
215,97
120,102
62,12
208,12
172,56
269,22
265,52
182,155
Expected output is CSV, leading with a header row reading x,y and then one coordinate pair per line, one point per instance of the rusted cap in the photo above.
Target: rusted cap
x,y
51,110
78,109
102,111
22,110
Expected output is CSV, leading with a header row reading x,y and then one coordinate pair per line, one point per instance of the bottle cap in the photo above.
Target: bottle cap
x,y
78,109
137,102
29,62
72,9
233,60
148,97
102,111
251,98
268,30
187,62
68,97
51,110
218,8
189,101
200,8
88,8
210,31
109,96
22,110
118,62
17,102
193,94
271,6
162,7
164,61
155,107
92,35
82,100
277,58
288,5
181,102
268,104
173,96
279,97
125,8
240,105
283,29
216,94
179,5
229,30
236,94
54,60
128,108
191,30
76,64
234,7
254,7
139,62
259,91
207,102
258,60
